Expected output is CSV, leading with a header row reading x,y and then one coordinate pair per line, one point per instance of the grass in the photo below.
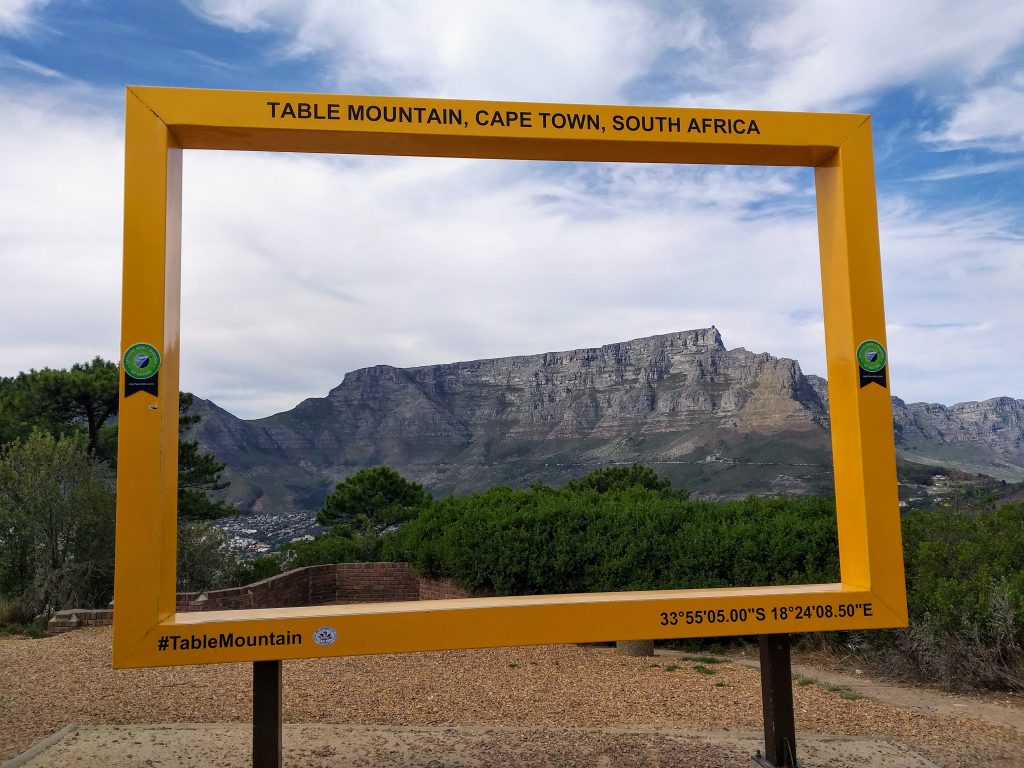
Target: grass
x,y
844,692
23,630
703,670
706,659
671,667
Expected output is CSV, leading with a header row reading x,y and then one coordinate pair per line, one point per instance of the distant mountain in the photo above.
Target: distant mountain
x,y
721,422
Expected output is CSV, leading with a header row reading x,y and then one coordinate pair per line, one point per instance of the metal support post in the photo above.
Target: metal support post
x,y
777,699
266,714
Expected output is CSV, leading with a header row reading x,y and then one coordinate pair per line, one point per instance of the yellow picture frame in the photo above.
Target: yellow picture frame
x,y
161,122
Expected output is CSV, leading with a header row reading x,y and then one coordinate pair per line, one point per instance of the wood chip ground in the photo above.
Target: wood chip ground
x,y
49,683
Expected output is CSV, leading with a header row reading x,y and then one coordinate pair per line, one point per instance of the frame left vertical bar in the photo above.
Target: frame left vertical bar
x,y
144,592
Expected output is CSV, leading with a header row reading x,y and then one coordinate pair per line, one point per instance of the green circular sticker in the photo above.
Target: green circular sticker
x,y
141,361
871,356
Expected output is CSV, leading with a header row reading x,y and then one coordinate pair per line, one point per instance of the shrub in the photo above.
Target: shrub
x,y
339,545
205,558
965,583
56,525
578,539
965,592
257,569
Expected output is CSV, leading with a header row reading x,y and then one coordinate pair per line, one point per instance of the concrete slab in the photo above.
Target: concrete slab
x,y
342,746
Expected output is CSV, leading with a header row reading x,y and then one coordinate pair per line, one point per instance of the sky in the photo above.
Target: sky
x,y
299,268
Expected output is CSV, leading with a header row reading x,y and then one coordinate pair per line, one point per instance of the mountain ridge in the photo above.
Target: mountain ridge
x,y
722,422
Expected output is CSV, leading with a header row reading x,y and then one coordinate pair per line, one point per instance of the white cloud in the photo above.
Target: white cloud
x,y
838,56
963,170
24,65
953,282
573,50
783,55
18,16
60,224
299,269
991,117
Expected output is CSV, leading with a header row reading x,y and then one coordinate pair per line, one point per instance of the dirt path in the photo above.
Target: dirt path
x,y
551,700
1004,710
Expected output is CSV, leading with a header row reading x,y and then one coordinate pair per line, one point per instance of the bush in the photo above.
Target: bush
x,y
965,591
965,583
257,569
578,539
14,612
624,478
205,558
339,545
56,526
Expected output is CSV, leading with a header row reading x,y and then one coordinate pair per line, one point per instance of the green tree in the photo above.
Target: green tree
x,y
56,524
199,474
610,479
82,398
83,402
374,499
12,423
205,557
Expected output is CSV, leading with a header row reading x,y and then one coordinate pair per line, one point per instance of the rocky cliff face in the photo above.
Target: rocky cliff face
x,y
724,422
985,437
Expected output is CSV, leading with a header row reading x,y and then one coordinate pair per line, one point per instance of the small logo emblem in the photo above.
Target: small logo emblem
x,y
871,356
325,636
141,361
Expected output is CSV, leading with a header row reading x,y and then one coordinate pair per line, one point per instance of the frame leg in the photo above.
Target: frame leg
x,y
266,714
777,698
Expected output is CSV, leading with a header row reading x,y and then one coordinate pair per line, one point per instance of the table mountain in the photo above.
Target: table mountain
x,y
721,422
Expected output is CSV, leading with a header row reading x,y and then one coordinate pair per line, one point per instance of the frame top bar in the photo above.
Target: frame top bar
x,y
347,124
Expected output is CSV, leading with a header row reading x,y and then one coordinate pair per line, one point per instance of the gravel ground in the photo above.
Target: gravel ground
x,y
47,684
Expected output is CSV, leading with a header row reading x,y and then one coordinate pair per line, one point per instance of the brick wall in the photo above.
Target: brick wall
x,y
281,591
315,585
375,583
440,589
76,618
